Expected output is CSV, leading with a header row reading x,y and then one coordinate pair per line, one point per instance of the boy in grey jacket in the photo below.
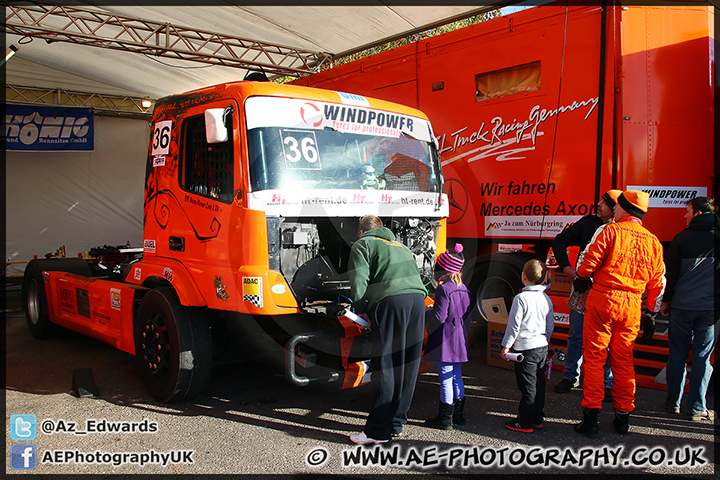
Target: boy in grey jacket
x,y
530,325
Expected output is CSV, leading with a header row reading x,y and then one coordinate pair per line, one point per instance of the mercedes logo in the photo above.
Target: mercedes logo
x,y
457,198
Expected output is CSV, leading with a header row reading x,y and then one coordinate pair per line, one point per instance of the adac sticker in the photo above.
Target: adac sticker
x,y
220,290
252,290
115,302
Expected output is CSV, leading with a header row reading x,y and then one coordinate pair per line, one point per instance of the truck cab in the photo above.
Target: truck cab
x,y
253,195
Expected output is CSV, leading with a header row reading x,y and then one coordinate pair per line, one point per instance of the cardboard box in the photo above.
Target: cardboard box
x,y
559,282
497,316
496,332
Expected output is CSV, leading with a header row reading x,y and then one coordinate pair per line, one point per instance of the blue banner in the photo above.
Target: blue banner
x,y
41,128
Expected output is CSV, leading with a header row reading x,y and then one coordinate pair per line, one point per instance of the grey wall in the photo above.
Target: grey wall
x,y
77,199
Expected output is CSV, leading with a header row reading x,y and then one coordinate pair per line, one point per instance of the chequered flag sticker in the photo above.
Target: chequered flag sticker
x,y
254,299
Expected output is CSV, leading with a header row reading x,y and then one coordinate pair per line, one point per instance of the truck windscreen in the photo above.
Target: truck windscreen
x,y
311,159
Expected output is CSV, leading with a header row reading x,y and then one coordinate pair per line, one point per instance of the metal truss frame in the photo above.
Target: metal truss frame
x,y
102,104
95,27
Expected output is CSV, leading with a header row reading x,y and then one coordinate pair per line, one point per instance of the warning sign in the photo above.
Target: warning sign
x,y
252,290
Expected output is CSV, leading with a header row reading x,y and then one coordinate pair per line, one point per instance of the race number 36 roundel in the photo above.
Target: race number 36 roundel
x,y
161,137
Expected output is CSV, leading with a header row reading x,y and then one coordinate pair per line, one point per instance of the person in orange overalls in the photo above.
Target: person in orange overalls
x,y
625,260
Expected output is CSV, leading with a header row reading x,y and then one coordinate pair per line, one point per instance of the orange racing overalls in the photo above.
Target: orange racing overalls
x,y
624,261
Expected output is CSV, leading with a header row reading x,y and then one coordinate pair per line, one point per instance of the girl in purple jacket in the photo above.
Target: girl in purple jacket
x,y
447,343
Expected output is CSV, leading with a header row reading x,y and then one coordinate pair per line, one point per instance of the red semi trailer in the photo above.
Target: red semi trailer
x,y
539,112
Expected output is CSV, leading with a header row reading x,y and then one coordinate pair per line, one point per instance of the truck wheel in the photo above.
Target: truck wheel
x,y
35,304
173,346
493,280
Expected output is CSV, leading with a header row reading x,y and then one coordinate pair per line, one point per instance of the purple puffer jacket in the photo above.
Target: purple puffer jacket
x,y
448,324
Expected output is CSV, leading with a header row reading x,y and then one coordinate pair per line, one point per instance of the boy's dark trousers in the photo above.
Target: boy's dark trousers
x,y
530,376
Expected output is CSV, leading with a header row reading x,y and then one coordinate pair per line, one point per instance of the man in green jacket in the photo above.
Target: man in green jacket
x,y
386,289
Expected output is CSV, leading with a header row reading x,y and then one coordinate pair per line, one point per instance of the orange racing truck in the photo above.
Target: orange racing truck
x,y
253,195
540,112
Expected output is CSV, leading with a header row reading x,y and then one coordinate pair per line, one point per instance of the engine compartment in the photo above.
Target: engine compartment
x,y
313,254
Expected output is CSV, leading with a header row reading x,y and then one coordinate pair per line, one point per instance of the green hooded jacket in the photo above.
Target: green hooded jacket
x,y
381,267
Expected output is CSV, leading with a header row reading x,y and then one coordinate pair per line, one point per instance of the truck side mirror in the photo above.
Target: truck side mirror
x,y
215,130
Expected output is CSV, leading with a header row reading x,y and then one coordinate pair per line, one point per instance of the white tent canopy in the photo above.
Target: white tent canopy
x,y
327,30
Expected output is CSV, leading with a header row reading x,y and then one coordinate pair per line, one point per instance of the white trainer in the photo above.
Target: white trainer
x,y
362,439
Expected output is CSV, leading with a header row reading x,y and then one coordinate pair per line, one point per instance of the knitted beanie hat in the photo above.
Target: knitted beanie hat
x,y
611,197
451,262
634,202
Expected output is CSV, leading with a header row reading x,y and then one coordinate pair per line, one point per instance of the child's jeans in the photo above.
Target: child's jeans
x,y
451,382
530,376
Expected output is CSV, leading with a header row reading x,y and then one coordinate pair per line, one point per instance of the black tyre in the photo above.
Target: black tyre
x,y
173,346
35,304
493,280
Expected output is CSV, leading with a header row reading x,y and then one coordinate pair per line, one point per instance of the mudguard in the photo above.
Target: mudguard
x,y
169,271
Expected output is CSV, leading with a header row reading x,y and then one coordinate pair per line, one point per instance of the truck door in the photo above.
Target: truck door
x,y
197,212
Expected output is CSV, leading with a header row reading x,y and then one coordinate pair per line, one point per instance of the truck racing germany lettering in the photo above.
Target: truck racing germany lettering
x,y
496,137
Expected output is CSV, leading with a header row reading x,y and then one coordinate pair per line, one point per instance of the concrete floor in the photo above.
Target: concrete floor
x,y
251,420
